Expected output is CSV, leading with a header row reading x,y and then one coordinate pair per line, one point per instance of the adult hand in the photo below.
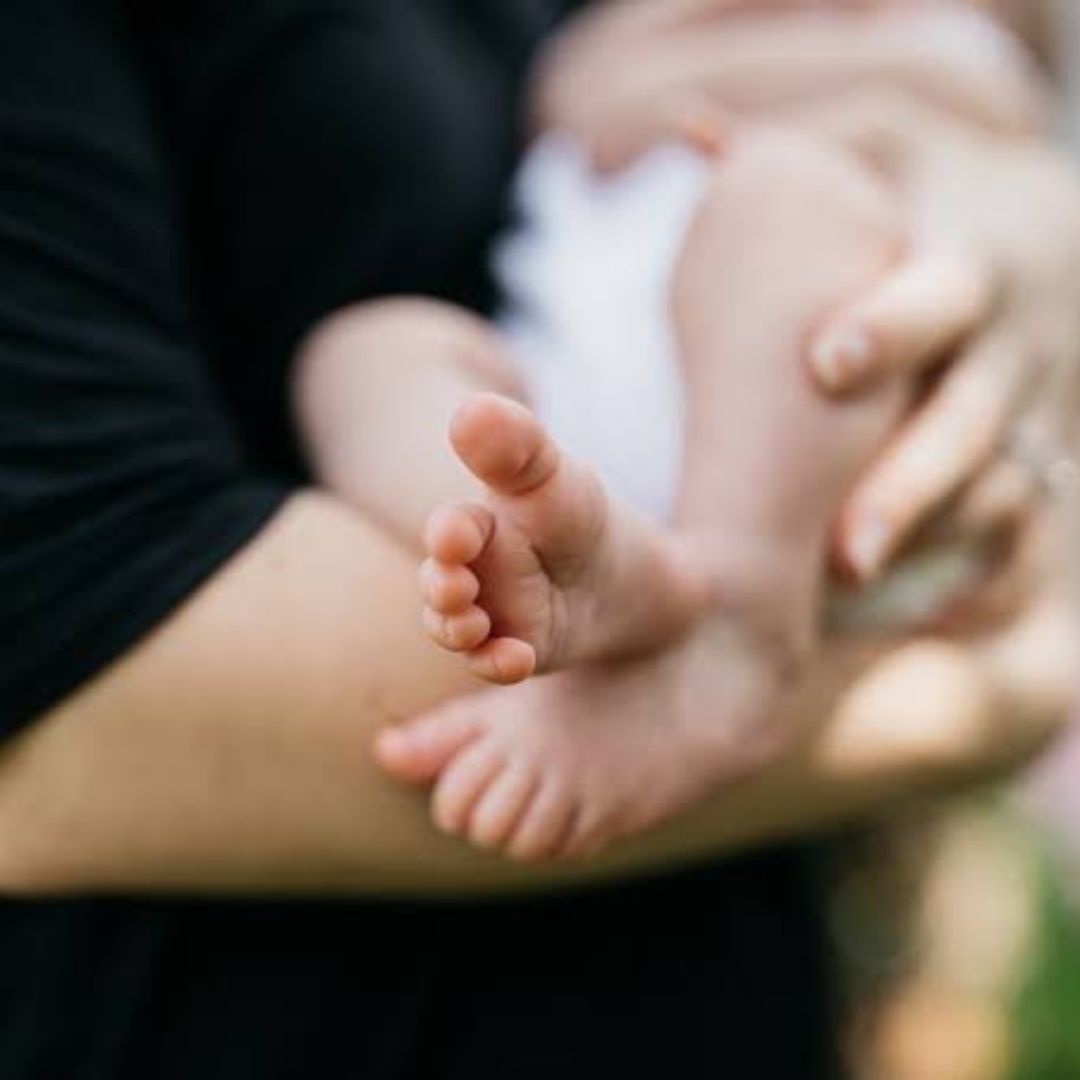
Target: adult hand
x,y
993,285
622,76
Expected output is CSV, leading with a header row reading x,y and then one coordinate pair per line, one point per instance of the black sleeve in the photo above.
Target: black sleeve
x,y
121,485
335,151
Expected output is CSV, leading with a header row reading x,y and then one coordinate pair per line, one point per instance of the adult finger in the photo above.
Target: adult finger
x,y
942,448
926,308
684,115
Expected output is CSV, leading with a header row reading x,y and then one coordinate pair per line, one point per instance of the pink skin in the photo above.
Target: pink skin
x,y
547,572
790,232
561,766
550,571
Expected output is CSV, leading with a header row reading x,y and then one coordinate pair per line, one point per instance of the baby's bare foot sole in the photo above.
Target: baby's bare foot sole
x,y
548,571
570,765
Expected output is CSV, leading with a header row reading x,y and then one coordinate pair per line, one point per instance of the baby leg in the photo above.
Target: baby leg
x,y
789,231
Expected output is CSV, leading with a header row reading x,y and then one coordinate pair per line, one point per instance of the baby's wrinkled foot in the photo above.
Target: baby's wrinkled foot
x,y
547,571
564,766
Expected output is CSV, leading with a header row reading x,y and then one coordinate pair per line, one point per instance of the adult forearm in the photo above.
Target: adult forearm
x,y
232,747
231,751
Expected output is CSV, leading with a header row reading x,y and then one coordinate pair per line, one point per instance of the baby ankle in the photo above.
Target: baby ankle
x,y
773,594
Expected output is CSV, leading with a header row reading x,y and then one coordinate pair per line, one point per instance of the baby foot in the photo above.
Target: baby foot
x,y
547,571
564,766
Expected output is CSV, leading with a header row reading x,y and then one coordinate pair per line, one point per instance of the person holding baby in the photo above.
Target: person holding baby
x,y
256,369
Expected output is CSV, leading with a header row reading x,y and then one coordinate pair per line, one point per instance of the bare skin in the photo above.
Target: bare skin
x,y
546,572
259,779
604,753
625,75
790,232
470,585
229,752
901,81
896,712
549,560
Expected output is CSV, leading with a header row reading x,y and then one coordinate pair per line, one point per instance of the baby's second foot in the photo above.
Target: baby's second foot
x,y
566,765
547,570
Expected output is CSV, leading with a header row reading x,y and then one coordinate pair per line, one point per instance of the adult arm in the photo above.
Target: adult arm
x,y
231,749
619,78
257,641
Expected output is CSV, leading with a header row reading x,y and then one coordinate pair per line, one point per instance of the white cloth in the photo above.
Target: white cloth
x,y
587,276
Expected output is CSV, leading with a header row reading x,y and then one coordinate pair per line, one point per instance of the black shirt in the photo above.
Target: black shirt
x,y
184,187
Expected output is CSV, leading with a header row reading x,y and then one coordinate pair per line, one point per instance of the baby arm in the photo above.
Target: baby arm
x,y
374,388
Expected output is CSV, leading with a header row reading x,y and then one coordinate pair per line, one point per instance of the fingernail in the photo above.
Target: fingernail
x,y
869,545
391,742
841,356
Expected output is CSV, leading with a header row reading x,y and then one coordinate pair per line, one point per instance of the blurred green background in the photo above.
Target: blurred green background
x,y
959,925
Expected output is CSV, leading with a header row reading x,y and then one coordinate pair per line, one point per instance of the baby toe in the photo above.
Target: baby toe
x,y
448,590
417,752
463,783
543,828
503,661
500,808
458,533
458,633
503,444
